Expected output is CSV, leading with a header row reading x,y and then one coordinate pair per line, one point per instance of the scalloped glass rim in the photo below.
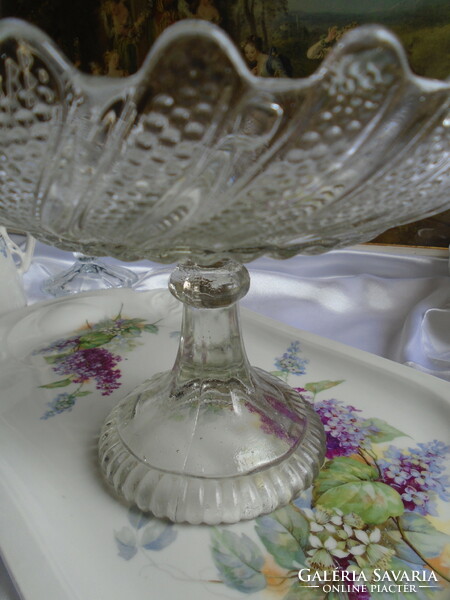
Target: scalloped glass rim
x,y
66,220
365,34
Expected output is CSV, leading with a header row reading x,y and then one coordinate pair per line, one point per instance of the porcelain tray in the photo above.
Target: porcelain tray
x,y
383,492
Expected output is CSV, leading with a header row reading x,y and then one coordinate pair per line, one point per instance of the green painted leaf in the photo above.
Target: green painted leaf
x,y
151,328
80,394
137,518
158,534
238,559
417,593
342,470
386,432
56,358
281,374
57,384
402,550
132,330
421,534
285,533
301,592
373,501
335,595
126,543
320,386
351,486
94,339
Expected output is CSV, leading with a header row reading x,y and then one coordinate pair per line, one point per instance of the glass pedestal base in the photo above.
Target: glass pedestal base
x,y
87,274
210,451
214,440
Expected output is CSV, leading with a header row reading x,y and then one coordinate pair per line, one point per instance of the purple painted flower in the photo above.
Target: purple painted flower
x,y
418,475
305,394
284,409
290,362
92,363
267,424
345,431
271,425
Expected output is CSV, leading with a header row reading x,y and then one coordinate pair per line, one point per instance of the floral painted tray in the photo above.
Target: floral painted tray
x,y
375,525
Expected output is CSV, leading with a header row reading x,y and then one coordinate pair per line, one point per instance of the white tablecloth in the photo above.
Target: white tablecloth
x,y
394,304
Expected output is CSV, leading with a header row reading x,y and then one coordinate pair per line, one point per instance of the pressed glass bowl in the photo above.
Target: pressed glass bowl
x,y
195,160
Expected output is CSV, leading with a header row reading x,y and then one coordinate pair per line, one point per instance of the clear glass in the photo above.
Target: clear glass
x,y
88,273
195,160
214,439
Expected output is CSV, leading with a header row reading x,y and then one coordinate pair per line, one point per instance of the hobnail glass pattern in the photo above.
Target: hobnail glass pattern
x,y
194,156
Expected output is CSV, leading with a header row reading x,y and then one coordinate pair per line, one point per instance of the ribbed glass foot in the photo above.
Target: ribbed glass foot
x,y
214,439
88,274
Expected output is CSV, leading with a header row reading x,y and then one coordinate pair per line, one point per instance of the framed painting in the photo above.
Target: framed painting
x,y
277,38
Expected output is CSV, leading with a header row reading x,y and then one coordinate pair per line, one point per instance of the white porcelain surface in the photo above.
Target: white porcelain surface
x,y
62,534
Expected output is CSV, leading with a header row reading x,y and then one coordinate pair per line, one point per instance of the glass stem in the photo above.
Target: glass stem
x,y
211,344
83,258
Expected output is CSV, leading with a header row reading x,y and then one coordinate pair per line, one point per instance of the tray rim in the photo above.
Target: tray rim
x,y
22,549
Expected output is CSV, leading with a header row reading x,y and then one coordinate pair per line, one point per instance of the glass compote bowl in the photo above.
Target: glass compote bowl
x,y
196,161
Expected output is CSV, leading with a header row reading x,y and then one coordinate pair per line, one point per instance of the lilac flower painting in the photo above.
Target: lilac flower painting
x,y
291,362
345,431
370,511
418,475
90,358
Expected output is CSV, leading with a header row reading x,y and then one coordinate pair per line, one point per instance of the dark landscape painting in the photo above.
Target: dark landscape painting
x,y
291,36
277,38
